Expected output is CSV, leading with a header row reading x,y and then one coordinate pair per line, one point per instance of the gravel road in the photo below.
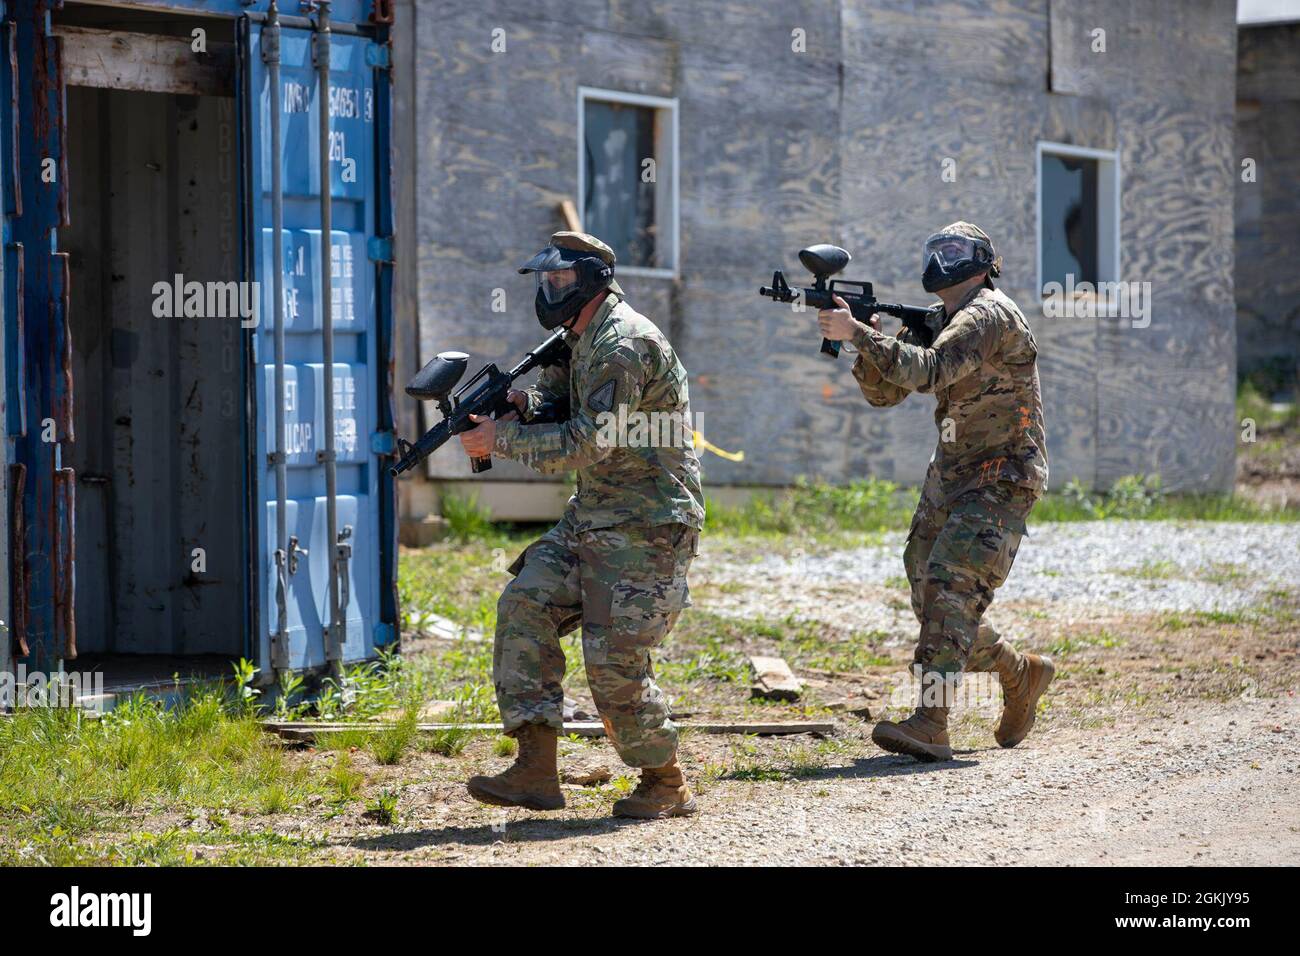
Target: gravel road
x,y
1137,566
1150,751
1218,786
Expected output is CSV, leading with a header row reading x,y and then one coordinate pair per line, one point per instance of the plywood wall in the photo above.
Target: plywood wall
x,y
844,143
1268,209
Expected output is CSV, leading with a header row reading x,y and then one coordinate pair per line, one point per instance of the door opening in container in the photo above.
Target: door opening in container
x,y
159,406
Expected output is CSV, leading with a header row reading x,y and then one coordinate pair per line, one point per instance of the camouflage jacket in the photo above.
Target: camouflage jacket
x,y
629,434
983,369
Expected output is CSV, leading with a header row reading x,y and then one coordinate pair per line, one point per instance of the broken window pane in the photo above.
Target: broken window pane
x,y
1069,218
619,193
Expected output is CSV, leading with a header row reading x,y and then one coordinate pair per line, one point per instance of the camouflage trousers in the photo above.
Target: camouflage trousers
x,y
625,586
958,553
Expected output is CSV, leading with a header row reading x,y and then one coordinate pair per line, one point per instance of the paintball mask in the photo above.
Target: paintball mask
x,y
950,258
567,279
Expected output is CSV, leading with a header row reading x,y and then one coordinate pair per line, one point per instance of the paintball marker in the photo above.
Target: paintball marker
x,y
824,261
484,394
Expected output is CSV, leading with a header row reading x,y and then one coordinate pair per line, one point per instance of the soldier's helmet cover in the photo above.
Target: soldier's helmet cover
x,y
570,271
956,253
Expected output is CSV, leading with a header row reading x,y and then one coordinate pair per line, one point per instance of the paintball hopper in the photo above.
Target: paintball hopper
x,y
824,259
439,376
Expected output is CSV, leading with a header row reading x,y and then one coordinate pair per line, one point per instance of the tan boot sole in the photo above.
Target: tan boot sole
x,y
484,790
1045,677
889,737
637,813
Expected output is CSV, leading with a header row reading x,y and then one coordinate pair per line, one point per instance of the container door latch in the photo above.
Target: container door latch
x,y
342,558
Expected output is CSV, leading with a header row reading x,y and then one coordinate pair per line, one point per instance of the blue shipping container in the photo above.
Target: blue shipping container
x,y
161,517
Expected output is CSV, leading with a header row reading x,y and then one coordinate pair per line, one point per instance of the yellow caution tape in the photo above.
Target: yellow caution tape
x,y
704,443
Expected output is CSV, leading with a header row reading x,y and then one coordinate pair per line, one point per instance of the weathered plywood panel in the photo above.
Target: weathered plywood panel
x,y
1153,49
613,61
1268,208
1167,400
1003,42
1268,63
844,142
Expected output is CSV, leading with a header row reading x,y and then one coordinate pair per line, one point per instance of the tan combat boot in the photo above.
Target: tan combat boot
x,y
661,793
924,735
532,781
1024,677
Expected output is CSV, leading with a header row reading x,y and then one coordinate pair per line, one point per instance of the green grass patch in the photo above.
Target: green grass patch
x,y
1252,404
1069,644
1153,571
868,504
1141,497
64,764
390,745
382,808
66,778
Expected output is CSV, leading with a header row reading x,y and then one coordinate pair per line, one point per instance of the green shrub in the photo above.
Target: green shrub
x,y
466,521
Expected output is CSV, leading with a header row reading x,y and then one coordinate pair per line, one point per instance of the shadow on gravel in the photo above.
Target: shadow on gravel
x,y
884,765
524,830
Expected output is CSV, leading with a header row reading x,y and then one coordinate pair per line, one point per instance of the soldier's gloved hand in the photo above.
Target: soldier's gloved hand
x,y
839,325
479,442
520,401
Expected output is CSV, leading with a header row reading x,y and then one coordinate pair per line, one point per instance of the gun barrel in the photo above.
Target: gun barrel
x,y
548,353
428,443
780,295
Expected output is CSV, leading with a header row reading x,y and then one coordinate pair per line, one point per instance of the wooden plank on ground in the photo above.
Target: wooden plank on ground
x,y
445,629
774,679
308,731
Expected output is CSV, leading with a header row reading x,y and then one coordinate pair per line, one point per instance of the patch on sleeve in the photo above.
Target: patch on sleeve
x,y
602,399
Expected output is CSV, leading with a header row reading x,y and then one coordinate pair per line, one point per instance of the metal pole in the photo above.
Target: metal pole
x,y
271,55
334,631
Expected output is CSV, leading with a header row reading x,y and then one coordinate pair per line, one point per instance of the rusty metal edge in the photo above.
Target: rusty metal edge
x,y
64,410
15,167
65,503
19,343
18,559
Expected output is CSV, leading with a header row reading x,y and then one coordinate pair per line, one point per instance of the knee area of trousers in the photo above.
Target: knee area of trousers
x,y
949,580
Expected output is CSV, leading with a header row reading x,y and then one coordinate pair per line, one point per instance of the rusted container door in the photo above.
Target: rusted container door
x,y
38,380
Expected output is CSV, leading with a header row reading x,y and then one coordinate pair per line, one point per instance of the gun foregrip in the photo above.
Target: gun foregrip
x,y
480,465
830,348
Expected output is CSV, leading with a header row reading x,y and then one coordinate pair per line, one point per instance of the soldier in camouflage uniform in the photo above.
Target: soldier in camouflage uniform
x,y
989,468
616,563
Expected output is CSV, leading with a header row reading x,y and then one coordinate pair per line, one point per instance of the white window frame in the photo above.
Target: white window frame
x,y
1108,206
667,209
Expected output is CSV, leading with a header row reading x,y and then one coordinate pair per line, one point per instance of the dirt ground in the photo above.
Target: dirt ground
x,y
1203,785
1169,736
